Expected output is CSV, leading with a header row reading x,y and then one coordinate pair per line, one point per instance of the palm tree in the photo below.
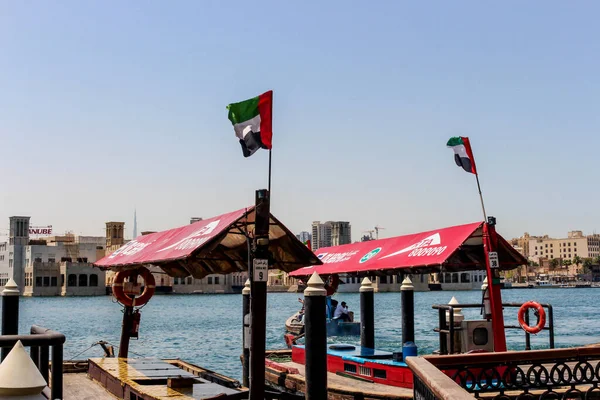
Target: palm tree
x,y
577,260
587,265
553,263
597,260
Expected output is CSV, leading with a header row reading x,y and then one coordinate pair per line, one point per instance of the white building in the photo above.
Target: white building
x,y
21,252
63,279
232,283
576,244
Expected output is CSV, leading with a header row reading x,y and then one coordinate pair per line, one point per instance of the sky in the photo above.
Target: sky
x,y
108,106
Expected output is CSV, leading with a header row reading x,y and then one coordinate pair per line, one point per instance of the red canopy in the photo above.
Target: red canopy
x,y
212,246
455,249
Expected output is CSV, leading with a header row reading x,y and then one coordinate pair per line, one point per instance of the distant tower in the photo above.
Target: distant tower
x,y
114,234
195,219
134,223
19,239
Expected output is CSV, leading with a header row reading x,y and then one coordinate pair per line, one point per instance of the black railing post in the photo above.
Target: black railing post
x,y
34,353
367,314
246,334
443,335
44,359
57,371
551,325
10,312
125,331
316,339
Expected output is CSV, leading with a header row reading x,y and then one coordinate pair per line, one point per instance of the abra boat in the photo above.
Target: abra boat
x,y
465,247
335,327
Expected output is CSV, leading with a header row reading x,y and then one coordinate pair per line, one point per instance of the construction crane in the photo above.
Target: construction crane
x,y
377,228
370,232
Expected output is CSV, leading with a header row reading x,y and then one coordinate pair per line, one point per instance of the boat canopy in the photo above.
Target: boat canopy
x,y
458,248
212,246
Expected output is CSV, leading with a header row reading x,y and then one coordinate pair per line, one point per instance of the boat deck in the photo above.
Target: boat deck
x,y
292,376
154,379
78,386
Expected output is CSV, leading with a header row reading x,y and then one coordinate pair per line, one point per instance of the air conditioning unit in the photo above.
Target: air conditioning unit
x,y
477,335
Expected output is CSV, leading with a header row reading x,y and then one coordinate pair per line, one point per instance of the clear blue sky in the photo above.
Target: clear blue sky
x,y
107,105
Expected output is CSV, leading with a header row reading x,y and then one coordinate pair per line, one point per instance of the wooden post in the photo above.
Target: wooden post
x,y
367,314
315,339
258,295
10,311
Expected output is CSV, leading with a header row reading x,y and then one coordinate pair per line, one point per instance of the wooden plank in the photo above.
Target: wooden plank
x,y
77,386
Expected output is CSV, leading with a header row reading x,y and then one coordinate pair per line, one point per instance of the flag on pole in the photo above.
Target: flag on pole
x,y
307,243
463,155
252,120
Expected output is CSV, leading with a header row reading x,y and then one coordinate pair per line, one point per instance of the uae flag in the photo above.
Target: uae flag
x,y
252,121
463,155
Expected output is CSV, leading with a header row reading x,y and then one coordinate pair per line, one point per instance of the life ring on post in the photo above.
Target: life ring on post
x,y
332,284
541,317
126,300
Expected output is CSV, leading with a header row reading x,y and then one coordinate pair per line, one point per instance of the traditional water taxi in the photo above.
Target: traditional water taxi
x,y
474,246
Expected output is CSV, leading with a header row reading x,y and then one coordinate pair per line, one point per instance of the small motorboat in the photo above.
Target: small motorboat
x,y
335,327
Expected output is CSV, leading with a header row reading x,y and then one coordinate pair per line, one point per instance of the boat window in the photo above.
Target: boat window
x,y
46,281
464,277
72,281
38,281
383,279
93,280
83,280
210,280
53,281
216,280
454,278
447,277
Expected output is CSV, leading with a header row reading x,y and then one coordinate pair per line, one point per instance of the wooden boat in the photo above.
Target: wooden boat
x,y
335,327
457,248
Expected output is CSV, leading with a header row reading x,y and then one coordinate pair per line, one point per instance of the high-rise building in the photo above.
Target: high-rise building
x,y
330,233
134,224
304,236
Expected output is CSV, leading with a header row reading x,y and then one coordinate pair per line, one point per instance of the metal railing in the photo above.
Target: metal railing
x,y
40,341
447,329
572,373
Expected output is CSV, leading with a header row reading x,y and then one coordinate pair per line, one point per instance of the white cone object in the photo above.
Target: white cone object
x,y
18,374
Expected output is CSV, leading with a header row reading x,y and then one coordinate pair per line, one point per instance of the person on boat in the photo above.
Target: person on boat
x,y
341,312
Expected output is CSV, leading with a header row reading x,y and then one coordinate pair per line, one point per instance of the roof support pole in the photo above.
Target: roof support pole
x,y
490,242
258,295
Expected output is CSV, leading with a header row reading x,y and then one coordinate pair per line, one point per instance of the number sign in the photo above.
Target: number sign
x,y
261,270
494,263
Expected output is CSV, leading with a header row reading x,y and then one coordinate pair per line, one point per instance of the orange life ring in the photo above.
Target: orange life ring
x,y
149,287
541,317
332,284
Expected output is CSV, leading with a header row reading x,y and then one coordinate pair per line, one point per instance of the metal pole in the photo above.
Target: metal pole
x,y
258,295
125,331
408,310
481,198
493,275
527,337
246,334
315,339
43,364
10,312
367,314
269,172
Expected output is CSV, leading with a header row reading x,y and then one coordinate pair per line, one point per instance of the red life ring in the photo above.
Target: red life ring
x,y
332,284
149,287
541,317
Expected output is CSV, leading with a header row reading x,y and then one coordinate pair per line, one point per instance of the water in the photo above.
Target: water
x,y
206,329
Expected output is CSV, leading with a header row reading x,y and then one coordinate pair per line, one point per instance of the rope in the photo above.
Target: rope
x,y
114,345
75,356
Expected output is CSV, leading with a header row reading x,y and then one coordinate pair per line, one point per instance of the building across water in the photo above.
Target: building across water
x,y
42,266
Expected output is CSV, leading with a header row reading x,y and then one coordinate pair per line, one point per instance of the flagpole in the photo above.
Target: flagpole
x,y
270,172
480,196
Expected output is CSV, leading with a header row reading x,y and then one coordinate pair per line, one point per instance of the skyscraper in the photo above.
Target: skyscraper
x,y
330,233
134,223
